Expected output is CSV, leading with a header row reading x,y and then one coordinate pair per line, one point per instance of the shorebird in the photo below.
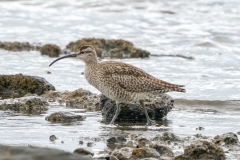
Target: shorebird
x,y
120,81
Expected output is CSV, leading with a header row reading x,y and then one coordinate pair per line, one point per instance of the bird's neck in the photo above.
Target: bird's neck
x,y
91,64
90,71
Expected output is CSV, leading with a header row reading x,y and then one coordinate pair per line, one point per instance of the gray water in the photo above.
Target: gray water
x,y
208,31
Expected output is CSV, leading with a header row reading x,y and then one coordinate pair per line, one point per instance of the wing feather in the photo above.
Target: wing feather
x,y
134,79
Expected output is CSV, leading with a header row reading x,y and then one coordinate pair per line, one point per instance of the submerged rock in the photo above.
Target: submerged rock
x,y
51,50
163,150
83,151
18,46
123,154
37,153
144,152
157,109
64,117
202,151
18,85
226,139
30,104
142,141
169,136
52,138
114,142
109,48
206,45
82,99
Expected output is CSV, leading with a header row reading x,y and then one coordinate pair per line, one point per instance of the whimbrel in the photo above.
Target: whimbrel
x,y
120,81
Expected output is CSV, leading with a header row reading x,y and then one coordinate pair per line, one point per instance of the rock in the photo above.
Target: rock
x,y
206,45
157,109
18,46
82,99
83,151
109,48
52,138
114,142
51,50
30,104
18,85
200,128
37,153
130,144
169,136
226,139
53,96
142,141
184,157
163,150
64,117
202,151
90,144
123,154
144,152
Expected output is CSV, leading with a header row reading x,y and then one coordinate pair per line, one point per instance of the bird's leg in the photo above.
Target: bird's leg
x,y
149,121
116,113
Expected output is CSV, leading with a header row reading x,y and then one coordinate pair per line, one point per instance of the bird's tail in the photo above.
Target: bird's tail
x,y
178,88
173,87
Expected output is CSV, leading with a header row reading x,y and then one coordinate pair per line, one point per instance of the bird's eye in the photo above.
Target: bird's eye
x,y
81,52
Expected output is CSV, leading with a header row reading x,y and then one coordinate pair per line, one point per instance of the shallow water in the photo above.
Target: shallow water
x,y
208,31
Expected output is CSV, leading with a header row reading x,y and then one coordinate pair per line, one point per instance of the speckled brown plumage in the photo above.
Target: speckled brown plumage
x,y
120,81
124,82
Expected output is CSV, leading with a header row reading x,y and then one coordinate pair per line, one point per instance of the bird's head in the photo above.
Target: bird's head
x,y
86,53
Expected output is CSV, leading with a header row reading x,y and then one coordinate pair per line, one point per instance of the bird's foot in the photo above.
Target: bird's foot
x,y
150,122
113,124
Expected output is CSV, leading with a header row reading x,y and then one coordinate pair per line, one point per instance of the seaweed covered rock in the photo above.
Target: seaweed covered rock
x,y
51,50
202,151
116,142
157,109
226,139
82,99
83,151
18,46
29,105
123,153
37,153
169,136
163,150
64,117
109,48
18,85
144,152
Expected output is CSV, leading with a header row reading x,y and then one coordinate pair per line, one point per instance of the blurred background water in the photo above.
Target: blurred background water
x,y
207,30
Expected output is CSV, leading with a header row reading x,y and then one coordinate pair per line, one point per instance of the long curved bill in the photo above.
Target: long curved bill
x,y
67,56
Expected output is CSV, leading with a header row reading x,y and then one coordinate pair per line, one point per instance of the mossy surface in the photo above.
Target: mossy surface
x,y
110,48
64,117
27,105
206,150
226,139
144,152
51,50
18,85
18,46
